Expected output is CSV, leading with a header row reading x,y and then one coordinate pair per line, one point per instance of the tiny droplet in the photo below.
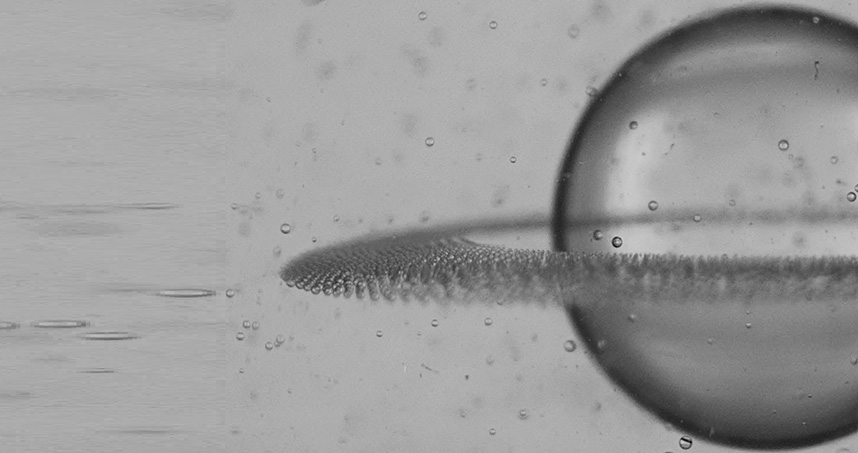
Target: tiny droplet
x,y
572,31
246,324
379,333
569,345
434,323
239,336
851,196
255,325
492,432
697,217
653,205
488,321
783,145
230,292
493,25
285,228
430,141
422,15
512,159
633,125
617,242
522,414
685,442
597,235
269,346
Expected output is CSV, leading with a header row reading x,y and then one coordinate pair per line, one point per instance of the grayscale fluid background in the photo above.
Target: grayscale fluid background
x,y
331,105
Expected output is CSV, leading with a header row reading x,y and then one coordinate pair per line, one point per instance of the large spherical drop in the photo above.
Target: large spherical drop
x,y
746,136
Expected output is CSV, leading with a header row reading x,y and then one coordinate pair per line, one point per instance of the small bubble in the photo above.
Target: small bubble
x,y
747,325
239,336
685,442
336,218
854,360
269,346
276,251
313,239
234,206
591,91
279,340
653,205
697,217
617,242
258,195
488,321
422,15
569,345
434,323
850,196
246,324
379,333
597,235
522,414
254,325
492,432
633,125
572,31
783,145
430,141
285,228
493,25
280,193
512,159
834,160
230,292
710,340
424,216
543,82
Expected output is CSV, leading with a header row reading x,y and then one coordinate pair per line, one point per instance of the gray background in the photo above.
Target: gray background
x,y
332,103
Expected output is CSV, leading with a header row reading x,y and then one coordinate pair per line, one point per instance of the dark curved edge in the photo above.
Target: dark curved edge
x,y
700,432
561,202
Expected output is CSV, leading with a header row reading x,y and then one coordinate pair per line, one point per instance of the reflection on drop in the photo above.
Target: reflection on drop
x,y
686,282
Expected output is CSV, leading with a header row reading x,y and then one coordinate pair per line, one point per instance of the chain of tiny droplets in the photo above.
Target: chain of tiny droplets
x,y
457,269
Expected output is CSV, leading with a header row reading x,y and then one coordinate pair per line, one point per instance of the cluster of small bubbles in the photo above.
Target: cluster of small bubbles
x,y
276,251
285,228
597,235
422,15
230,292
246,324
239,336
258,195
488,321
424,216
617,242
633,125
379,333
493,25
492,432
783,145
834,160
569,345
280,193
430,141
685,442
572,31
543,82
653,205
697,217
851,196
279,340
591,91
255,325
512,159
269,346
522,414
434,323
